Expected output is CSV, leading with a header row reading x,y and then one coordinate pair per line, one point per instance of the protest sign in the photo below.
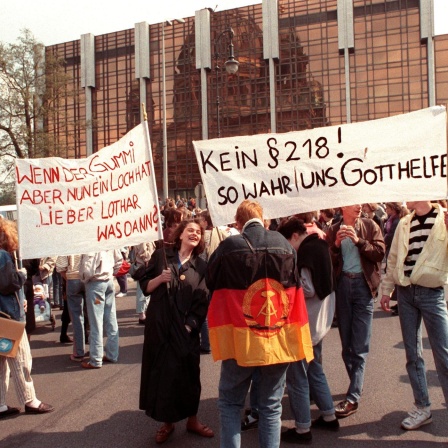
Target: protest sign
x,y
399,158
74,206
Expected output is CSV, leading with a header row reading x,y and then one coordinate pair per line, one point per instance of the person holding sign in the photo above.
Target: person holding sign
x,y
170,387
357,249
417,266
11,281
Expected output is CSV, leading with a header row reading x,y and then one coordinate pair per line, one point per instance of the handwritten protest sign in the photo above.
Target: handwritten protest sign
x,y
105,201
400,158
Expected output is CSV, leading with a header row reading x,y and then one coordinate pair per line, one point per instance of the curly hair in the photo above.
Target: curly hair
x,y
9,239
179,230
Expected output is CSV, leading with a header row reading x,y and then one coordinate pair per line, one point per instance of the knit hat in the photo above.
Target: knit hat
x,y
38,290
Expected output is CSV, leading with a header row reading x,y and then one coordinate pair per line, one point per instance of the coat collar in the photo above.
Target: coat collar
x,y
252,221
171,256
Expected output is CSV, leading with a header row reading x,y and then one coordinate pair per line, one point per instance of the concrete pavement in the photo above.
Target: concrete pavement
x,y
99,408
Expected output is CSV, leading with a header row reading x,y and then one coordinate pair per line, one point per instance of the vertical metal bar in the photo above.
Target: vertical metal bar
x,y
88,82
427,35
164,136
204,104
203,61
142,59
143,92
346,42
348,97
271,51
218,118
431,73
272,100
89,119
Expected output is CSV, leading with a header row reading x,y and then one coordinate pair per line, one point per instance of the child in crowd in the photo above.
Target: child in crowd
x,y
39,296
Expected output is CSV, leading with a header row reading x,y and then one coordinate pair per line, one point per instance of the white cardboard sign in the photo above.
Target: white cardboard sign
x,y
105,201
399,158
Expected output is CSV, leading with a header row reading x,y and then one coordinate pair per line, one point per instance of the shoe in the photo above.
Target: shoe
x,y
345,408
292,436
320,423
141,321
9,412
121,294
204,351
200,429
249,422
87,365
163,433
417,417
106,359
76,358
42,409
65,339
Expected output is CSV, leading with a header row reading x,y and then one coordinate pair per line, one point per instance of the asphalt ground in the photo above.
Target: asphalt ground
x,y
99,408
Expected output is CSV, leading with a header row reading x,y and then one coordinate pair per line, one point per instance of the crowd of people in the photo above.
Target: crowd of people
x,y
260,295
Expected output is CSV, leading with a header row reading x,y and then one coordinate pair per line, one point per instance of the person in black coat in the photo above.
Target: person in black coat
x,y
170,379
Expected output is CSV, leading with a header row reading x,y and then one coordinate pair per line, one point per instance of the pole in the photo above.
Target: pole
x,y
272,95
218,118
230,63
154,185
153,177
164,137
347,85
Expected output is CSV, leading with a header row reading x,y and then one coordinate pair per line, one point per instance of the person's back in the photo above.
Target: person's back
x,y
257,321
96,271
212,239
212,235
249,267
68,266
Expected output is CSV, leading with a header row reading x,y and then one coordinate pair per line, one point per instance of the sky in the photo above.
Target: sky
x,y
56,21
